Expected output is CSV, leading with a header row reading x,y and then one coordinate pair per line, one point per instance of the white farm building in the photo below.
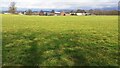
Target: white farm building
x,y
80,14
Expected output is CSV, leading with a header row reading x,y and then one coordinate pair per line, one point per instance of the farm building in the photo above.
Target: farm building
x,y
62,13
49,14
20,13
73,13
88,13
7,13
80,14
83,14
57,14
35,13
67,14
25,12
41,13
46,13
52,13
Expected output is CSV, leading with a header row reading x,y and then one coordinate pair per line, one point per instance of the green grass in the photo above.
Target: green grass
x,y
60,41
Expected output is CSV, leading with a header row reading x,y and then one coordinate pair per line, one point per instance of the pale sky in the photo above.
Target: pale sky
x,y
61,4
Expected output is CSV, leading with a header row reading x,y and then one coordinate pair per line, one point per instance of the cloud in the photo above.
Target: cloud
x,y
61,4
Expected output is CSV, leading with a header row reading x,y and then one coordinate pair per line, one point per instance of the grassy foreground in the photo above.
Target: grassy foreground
x,y
60,41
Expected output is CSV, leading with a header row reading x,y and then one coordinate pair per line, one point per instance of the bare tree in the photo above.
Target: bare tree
x,y
12,8
80,11
91,11
29,12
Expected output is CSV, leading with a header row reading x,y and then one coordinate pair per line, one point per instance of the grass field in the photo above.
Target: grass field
x,y
60,40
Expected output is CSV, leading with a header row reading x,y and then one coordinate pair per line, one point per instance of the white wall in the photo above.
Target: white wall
x,y
79,14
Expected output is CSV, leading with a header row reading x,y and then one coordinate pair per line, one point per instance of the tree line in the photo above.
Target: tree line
x,y
13,10
103,12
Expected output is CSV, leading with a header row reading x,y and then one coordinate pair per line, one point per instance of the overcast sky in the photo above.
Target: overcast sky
x,y
61,4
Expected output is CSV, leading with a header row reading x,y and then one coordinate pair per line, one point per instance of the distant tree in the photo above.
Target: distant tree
x,y
105,12
53,11
71,11
114,12
119,13
80,11
41,13
91,11
46,14
29,12
12,8
84,11
97,12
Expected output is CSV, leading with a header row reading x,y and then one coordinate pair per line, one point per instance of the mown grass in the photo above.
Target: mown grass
x,y
60,41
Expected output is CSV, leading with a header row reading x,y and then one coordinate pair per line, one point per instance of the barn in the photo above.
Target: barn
x,y
62,13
